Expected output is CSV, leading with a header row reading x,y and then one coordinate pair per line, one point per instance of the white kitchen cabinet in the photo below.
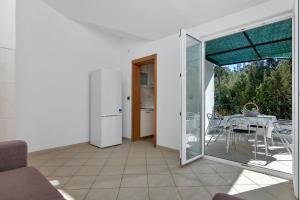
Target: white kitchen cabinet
x,y
147,122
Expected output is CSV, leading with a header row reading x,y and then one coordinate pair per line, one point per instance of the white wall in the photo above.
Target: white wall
x,y
7,94
168,88
54,57
168,60
7,69
7,23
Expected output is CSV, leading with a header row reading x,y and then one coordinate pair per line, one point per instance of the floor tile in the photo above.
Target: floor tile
x,y
134,180
96,161
222,168
164,193
55,162
88,149
36,162
74,194
136,161
249,193
107,181
246,188
261,179
223,189
176,169
186,180
112,170
86,155
59,181
281,191
65,171
102,194
80,182
172,161
47,170
76,162
46,156
135,169
133,194
158,169
160,180
202,169
194,193
66,155
212,179
88,170
116,161
237,179
155,161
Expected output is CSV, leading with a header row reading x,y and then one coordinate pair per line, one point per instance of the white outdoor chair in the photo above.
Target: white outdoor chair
x,y
241,126
284,134
214,126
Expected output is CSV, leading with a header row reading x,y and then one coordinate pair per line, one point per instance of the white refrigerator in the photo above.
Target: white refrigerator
x,y
106,108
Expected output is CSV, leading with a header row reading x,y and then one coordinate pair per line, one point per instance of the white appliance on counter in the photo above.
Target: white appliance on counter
x,y
147,121
106,108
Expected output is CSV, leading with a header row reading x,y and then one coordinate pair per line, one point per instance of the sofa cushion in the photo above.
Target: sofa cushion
x,y
13,154
26,183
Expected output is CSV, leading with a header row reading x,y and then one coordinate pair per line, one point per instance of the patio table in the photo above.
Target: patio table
x,y
263,121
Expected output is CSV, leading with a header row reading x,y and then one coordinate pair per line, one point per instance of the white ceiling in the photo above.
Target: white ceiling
x,y
147,19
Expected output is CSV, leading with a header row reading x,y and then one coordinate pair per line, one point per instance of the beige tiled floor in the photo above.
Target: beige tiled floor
x,y
137,171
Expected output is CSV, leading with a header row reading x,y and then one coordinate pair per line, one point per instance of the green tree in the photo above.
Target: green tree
x,y
267,83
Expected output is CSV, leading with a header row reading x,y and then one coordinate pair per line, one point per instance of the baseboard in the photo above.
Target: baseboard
x,y
56,148
167,149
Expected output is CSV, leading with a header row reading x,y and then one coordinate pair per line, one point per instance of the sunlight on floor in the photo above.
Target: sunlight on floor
x,y
278,159
66,195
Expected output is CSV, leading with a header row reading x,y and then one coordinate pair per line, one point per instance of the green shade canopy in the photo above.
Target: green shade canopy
x,y
270,41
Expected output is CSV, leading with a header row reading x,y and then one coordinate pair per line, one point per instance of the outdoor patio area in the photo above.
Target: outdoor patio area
x,y
248,97
278,157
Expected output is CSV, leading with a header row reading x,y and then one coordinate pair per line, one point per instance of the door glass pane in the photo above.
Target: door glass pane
x,y
193,98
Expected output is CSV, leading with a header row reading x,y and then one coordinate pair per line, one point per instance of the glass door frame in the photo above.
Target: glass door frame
x,y
183,53
296,101
296,85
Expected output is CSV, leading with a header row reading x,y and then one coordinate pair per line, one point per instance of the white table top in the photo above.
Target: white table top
x,y
261,120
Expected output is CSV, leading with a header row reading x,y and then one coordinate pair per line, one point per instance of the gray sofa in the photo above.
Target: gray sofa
x,y
19,182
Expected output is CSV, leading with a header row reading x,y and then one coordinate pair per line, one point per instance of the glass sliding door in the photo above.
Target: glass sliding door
x,y
296,109
192,143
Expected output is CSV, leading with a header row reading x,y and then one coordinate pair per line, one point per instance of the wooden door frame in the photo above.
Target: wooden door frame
x,y
135,92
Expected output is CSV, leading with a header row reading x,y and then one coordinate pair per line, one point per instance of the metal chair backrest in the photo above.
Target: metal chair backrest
x,y
282,128
214,120
241,123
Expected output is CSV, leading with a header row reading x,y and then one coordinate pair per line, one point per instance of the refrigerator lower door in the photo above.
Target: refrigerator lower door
x,y
106,131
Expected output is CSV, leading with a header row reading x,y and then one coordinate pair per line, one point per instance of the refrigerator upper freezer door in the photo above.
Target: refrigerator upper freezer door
x,y
106,131
106,93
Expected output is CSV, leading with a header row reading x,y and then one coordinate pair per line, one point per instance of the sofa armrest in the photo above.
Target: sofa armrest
x,y
221,196
13,154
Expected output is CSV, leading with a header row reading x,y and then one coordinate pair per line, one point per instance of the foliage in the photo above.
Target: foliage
x,y
267,83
